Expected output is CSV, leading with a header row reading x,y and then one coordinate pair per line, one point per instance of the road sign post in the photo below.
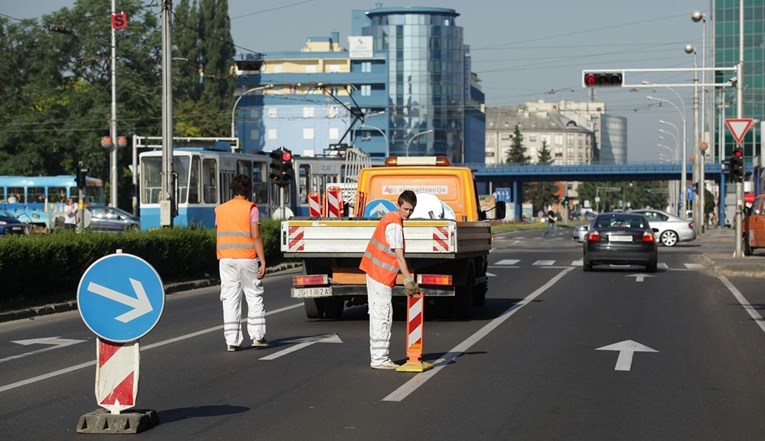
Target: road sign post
x,y
120,298
738,128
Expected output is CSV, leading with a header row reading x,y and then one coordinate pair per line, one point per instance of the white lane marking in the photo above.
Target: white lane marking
x,y
56,342
744,302
508,262
302,343
639,277
418,380
544,263
662,265
577,262
144,348
694,266
626,350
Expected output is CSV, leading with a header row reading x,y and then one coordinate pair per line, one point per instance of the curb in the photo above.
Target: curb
x,y
170,288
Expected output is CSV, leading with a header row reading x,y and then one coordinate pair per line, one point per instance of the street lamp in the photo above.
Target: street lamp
x,y
698,212
684,156
236,103
409,141
382,132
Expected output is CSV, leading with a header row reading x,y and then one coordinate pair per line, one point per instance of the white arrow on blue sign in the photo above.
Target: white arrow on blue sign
x,y
377,208
120,297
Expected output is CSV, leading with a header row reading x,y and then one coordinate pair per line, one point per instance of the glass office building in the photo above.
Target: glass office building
x,y
428,79
726,54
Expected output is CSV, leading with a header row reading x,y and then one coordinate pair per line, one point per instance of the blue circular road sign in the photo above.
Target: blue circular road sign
x,y
377,208
120,297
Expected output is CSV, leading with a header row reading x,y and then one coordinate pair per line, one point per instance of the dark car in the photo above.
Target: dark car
x,y
111,219
621,239
9,224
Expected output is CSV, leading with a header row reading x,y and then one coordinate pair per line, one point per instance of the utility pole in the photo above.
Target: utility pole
x,y
167,201
740,114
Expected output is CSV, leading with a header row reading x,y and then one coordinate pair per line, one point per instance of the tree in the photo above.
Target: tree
x,y
517,154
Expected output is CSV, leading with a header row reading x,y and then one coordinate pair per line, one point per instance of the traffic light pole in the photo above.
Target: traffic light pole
x,y
740,114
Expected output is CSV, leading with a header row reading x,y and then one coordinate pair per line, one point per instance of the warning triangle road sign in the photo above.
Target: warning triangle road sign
x,y
738,127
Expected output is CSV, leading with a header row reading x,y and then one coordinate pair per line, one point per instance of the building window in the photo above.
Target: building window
x,y
271,112
366,90
310,68
366,67
334,133
308,112
272,134
532,138
308,133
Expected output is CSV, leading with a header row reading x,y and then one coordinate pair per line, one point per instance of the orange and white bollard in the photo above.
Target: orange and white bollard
x,y
415,322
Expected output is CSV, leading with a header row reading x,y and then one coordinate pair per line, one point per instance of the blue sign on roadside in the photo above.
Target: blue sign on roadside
x,y
377,208
120,297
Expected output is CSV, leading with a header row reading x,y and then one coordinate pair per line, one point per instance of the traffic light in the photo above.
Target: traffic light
x,y
281,167
80,173
736,166
286,166
602,79
276,167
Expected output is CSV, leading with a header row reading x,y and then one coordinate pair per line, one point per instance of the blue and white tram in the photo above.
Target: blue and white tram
x,y
203,179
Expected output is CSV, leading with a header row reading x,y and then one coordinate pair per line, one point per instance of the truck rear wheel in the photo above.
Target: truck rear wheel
x,y
314,309
462,306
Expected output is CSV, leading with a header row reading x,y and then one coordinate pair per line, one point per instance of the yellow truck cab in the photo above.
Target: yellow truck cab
x,y
447,243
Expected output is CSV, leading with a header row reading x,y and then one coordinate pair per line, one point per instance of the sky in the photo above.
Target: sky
x,y
521,50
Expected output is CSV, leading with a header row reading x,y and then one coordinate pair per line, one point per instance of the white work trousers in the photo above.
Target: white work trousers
x,y
237,276
379,297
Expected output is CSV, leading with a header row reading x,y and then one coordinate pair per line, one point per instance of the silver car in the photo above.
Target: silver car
x,y
112,219
672,229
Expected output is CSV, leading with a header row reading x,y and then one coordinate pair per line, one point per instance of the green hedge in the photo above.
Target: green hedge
x,y
40,269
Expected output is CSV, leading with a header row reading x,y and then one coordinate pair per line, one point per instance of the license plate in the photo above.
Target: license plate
x,y
300,293
17,228
620,238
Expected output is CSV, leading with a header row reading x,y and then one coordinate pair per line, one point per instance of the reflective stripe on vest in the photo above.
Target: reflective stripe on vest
x,y
379,260
234,240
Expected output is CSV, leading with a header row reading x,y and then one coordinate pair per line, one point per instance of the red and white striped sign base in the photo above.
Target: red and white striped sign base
x,y
415,321
117,375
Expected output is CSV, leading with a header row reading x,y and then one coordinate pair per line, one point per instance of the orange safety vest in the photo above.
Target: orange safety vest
x,y
379,261
234,240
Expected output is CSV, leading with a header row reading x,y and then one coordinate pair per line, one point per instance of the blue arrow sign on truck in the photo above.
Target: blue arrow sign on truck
x,y
120,297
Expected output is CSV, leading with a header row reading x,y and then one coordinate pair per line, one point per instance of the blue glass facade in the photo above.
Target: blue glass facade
x,y
426,79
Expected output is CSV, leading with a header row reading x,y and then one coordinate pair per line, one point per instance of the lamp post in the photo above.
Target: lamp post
x,y
684,156
698,212
673,157
236,103
382,132
409,141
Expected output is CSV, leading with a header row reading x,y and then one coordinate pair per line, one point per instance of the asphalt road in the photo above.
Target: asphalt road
x,y
549,357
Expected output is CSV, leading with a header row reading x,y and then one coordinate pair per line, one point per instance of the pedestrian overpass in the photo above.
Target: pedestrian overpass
x,y
492,176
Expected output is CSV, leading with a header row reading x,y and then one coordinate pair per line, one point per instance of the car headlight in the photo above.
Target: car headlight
x,y
3,222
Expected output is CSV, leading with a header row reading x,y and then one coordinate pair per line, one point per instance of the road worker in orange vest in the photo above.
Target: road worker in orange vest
x,y
242,265
383,259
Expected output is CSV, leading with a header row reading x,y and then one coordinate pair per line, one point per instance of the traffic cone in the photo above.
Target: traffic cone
x,y
415,321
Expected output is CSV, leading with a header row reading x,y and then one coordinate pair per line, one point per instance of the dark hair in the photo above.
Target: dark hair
x,y
407,196
241,185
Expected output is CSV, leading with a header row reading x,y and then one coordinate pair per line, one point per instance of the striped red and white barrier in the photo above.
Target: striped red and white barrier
x,y
117,375
415,321
334,202
314,204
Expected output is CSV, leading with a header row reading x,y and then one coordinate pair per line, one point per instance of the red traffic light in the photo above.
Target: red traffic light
x,y
738,152
603,79
286,156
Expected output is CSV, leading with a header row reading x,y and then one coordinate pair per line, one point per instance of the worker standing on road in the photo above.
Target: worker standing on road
x,y
383,259
242,265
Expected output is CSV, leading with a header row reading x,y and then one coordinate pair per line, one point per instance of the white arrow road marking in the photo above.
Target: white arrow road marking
x,y
55,342
140,304
639,277
303,343
626,349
